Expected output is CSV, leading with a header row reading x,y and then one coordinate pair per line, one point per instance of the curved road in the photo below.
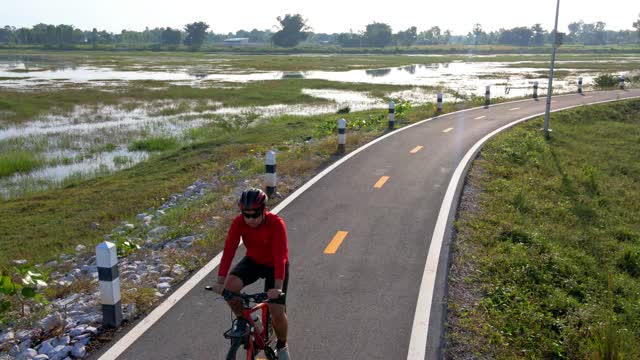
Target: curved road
x,y
373,298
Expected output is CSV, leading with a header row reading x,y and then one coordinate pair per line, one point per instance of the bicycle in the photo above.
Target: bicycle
x,y
248,332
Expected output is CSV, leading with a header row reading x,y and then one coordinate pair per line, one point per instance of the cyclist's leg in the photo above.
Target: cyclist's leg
x,y
243,274
277,308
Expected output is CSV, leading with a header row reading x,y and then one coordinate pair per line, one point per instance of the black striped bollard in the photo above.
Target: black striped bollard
x,y
622,82
342,125
535,89
109,283
439,101
579,85
271,172
487,95
392,115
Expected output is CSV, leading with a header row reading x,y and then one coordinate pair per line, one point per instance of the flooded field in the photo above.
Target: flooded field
x,y
97,139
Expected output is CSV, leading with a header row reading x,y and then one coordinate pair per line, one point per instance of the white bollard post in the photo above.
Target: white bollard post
x,y
621,82
535,89
342,125
439,101
487,95
392,115
579,85
109,283
271,172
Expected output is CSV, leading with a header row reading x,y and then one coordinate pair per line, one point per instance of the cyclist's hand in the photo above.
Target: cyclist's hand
x,y
274,293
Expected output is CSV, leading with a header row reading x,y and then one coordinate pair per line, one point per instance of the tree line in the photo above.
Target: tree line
x,y
293,30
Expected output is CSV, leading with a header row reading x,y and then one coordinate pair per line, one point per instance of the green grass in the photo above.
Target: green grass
x,y
25,106
552,249
153,144
18,161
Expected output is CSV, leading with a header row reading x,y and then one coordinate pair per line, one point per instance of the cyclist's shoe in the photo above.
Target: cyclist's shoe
x,y
283,354
238,329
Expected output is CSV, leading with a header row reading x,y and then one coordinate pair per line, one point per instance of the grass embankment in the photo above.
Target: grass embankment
x,y
39,227
546,261
20,106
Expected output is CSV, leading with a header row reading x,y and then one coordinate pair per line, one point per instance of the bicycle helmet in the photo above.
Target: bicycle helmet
x,y
252,199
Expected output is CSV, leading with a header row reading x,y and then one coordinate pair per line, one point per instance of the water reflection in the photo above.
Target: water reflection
x,y
378,72
293,75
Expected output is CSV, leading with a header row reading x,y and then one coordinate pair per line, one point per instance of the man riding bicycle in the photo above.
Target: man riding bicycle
x,y
265,237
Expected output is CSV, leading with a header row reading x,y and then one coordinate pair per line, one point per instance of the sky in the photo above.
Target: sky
x,y
326,16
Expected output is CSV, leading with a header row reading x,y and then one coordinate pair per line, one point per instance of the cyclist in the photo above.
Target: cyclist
x,y
265,237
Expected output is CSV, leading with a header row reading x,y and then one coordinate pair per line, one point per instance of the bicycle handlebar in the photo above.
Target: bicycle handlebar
x,y
257,298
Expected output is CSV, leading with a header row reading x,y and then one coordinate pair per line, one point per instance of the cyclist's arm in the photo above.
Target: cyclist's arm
x,y
230,247
279,249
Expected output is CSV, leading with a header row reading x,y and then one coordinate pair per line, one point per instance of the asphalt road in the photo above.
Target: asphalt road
x,y
358,303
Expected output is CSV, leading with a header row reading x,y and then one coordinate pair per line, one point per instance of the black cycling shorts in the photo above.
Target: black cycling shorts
x,y
249,272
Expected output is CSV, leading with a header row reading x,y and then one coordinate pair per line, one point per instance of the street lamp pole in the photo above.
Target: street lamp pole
x,y
550,88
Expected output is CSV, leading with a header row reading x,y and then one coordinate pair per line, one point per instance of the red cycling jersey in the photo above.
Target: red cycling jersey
x,y
266,244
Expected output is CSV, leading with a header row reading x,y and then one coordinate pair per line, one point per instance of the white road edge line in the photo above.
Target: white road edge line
x,y
123,344
420,328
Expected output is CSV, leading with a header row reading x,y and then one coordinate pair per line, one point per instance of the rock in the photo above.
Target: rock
x,y
51,322
78,351
177,269
141,216
7,337
80,249
94,225
52,263
26,345
40,357
165,279
156,232
147,219
15,350
67,301
19,262
164,287
45,347
28,354
63,340
24,335
160,213
77,331
128,226
89,269
59,352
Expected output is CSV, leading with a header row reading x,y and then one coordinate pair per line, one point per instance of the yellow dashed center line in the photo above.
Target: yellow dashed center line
x,y
447,130
480,117
514,109
381,182
335,243
416,149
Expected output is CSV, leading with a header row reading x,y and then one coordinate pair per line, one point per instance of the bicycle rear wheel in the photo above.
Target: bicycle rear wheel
x,y
237,351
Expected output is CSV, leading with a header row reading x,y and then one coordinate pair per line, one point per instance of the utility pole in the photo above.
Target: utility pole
x,y
550,88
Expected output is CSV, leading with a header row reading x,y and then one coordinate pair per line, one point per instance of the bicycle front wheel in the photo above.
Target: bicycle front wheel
x,y
237,351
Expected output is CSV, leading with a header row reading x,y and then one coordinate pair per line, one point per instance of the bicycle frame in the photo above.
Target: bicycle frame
x,y
253,340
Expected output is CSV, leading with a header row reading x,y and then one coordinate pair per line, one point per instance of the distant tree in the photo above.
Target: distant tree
x,y
538,35
378,34
350,39
519,36
407,37
637,25
94,37
477,33
6,34
171,37
196,33
292,31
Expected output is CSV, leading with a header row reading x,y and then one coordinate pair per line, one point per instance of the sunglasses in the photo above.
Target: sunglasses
x,y
255,215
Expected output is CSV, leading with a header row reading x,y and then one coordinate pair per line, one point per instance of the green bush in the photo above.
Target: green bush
x,y
18,161
606,81
153,144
